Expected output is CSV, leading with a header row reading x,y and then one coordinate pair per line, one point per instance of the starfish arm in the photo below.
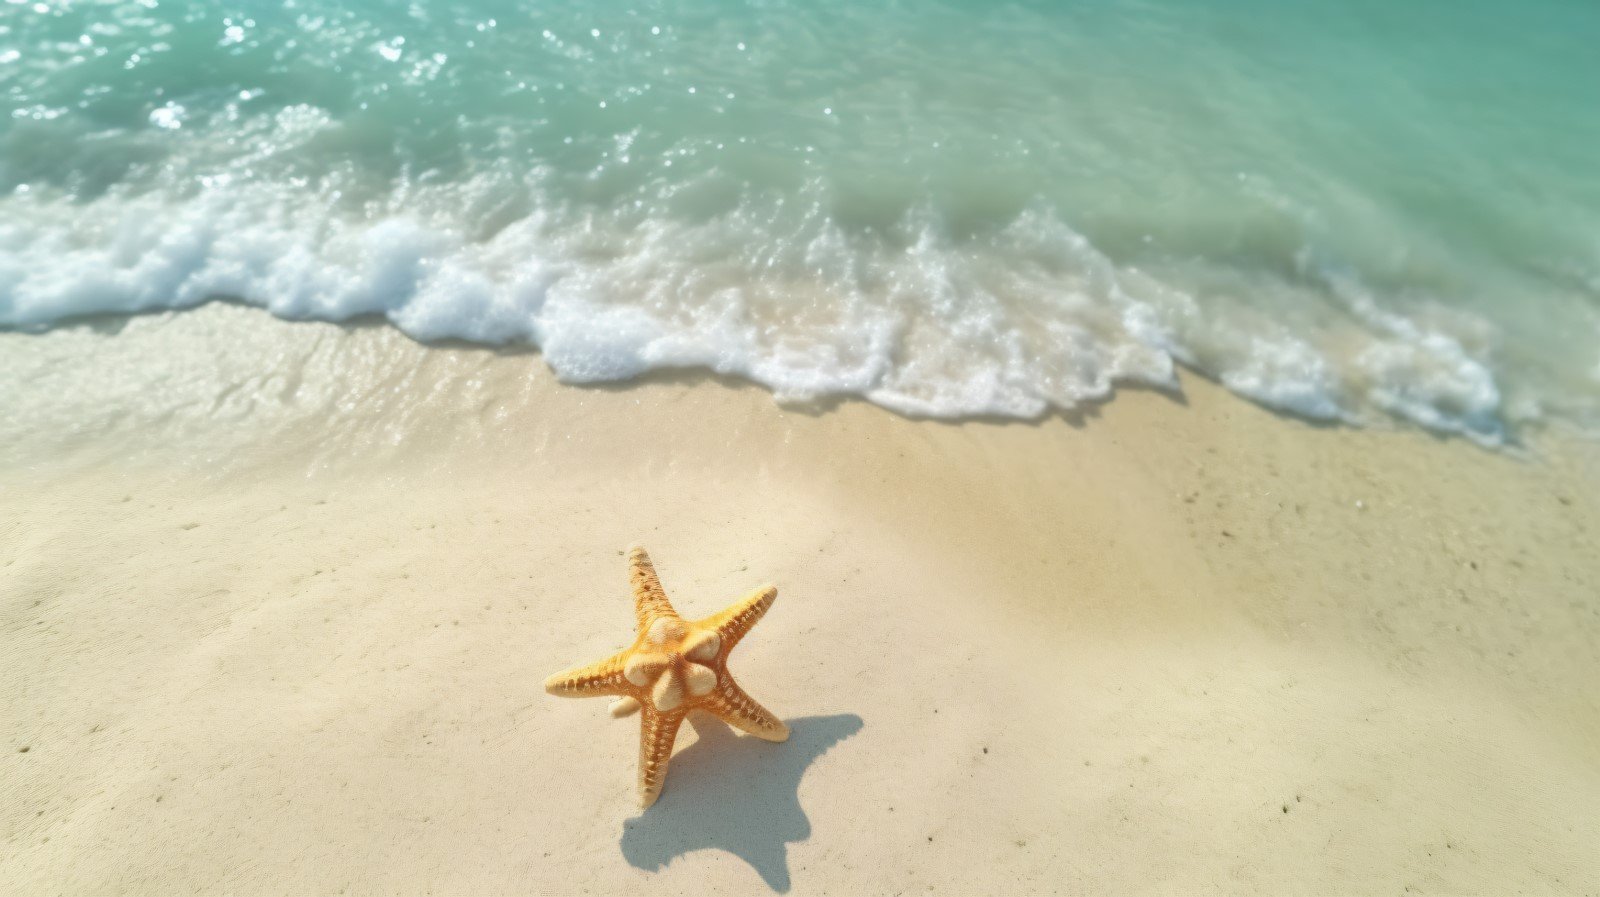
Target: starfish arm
x,y
732,623
594,680
649,599
657,734
731,705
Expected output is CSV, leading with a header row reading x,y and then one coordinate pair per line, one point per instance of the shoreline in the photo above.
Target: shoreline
x,y
1518,441
282,627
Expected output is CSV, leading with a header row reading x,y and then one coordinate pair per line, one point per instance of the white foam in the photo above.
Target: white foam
x,y
1023,321
1287,374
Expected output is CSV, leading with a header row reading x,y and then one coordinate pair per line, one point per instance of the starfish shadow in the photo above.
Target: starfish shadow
x,y
737,794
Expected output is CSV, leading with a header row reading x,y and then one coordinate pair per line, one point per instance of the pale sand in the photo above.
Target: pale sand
x,y
278,598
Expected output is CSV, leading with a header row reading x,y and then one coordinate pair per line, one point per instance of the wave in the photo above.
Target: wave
x,y
1021,320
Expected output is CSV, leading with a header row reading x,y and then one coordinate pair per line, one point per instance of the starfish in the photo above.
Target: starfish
x,y
674,666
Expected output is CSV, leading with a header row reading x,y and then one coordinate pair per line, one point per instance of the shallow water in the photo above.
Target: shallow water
x,y
1353,212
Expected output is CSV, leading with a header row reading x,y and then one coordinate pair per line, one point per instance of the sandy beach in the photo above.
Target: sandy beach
x,y
277,609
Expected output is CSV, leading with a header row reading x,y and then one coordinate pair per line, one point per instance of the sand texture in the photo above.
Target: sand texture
x,y
277,602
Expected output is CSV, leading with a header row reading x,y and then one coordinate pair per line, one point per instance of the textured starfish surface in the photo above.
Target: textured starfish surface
x,y
674,666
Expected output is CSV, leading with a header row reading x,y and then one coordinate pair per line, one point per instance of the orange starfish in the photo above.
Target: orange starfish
x,y
674,666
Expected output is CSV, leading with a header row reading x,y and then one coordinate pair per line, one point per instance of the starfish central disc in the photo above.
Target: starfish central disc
x,y
674,666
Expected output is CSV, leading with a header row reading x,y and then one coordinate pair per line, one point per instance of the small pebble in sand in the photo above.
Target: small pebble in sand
x,y
22,750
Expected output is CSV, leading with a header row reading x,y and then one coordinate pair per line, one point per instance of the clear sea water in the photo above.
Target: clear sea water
x,y
1361,211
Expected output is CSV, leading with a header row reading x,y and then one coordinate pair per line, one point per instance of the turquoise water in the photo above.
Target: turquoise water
x,y
1358,211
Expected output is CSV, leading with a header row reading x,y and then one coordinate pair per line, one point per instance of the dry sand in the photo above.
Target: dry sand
x,y
276,601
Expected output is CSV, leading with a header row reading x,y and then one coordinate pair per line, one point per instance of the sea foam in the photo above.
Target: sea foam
x,y
1027,320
